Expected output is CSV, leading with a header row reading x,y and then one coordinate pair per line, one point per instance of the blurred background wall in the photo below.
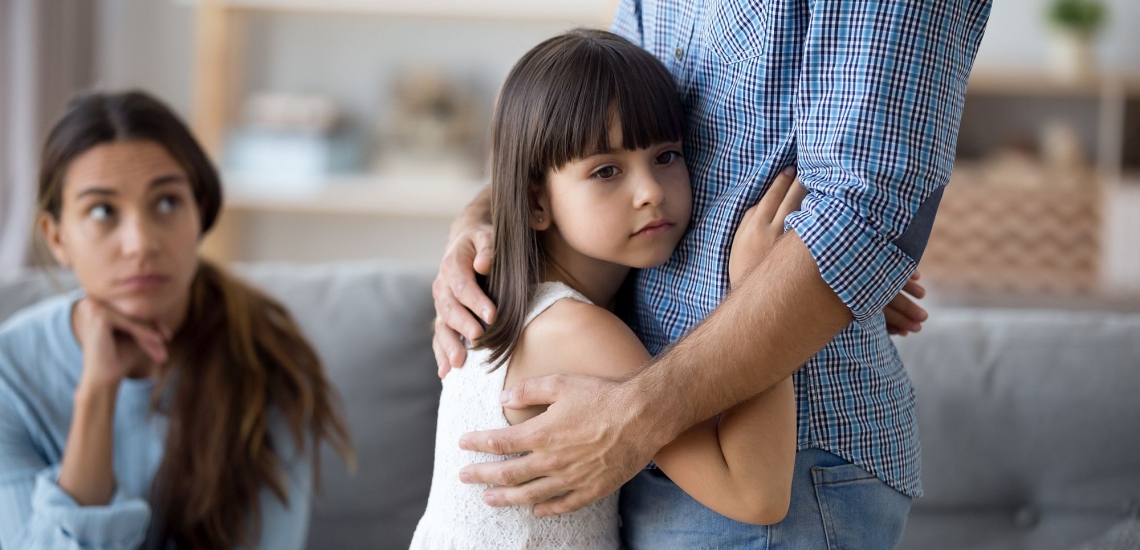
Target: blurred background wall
x,y
390,138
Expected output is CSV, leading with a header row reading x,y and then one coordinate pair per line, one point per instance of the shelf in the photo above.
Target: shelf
x,y
408,197
588,12
993,82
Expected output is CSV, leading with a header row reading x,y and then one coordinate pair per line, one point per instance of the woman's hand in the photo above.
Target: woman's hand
x,y
114,344
763,224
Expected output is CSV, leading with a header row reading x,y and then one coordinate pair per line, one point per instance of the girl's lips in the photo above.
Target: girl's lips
x,y
654,228
144,282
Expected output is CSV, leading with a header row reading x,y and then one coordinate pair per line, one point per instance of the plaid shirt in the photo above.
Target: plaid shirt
x,y
864,97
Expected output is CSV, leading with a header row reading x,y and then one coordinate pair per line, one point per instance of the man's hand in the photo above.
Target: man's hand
x,y
597,434
904,316
457,293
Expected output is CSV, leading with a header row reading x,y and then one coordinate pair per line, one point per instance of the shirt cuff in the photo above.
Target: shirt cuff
x,y
864,269
119,525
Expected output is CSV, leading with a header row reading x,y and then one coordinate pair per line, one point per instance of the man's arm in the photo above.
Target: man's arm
x,y
455,291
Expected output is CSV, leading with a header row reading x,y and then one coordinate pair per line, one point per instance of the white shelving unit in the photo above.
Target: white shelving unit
x,y
416,202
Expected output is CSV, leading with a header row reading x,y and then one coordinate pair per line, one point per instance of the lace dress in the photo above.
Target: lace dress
x,y
456,517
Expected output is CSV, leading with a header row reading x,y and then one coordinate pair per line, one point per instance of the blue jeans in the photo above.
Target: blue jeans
x,y
835,505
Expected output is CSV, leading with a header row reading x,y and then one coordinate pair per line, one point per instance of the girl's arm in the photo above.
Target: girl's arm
x,y
739,465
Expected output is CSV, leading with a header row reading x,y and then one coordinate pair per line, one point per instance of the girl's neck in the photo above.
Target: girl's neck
x,y
598,280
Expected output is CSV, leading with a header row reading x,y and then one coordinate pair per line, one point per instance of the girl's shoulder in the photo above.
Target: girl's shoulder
x,y
571,336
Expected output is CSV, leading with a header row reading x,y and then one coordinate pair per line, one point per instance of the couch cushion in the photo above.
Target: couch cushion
x,y
1028,422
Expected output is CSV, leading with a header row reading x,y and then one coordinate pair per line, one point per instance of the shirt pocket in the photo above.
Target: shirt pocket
x,y
738,29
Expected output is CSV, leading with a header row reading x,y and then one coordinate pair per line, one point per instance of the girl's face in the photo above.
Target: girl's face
x,y
129,227
628,208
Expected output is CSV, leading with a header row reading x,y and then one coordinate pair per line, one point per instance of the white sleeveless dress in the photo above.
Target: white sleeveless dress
x,y
456,517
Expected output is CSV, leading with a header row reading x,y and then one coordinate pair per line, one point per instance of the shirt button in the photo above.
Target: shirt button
x,y
679,53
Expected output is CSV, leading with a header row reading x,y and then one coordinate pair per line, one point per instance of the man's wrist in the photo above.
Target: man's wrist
x,y
650,398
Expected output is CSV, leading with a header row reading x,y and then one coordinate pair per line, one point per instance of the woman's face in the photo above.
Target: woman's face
x,y
129,227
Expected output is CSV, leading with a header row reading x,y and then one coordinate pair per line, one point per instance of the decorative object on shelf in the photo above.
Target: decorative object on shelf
x,y
1075,24
1060,147
432,127
290,143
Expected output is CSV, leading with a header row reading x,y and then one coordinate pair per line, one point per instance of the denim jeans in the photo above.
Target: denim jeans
x,y
835,505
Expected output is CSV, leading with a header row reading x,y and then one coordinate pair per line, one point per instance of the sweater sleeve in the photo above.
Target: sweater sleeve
x,y
36,514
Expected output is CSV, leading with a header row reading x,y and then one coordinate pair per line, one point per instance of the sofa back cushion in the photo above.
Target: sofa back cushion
x,y
1030,426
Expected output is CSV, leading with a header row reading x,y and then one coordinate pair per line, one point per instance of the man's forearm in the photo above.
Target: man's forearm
x,y
777,318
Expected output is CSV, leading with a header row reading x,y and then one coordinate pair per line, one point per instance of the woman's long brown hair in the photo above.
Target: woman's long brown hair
x,y
240,371
555,106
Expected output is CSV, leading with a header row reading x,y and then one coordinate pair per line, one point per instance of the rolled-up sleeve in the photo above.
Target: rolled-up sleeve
x,y
881,89
59,522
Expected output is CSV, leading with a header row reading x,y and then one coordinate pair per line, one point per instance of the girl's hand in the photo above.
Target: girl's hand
x,y
113,343
764,223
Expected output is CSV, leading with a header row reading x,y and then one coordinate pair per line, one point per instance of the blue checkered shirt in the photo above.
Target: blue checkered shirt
x,y
864,97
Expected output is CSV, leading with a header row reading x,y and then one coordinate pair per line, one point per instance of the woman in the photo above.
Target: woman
x,y
165,403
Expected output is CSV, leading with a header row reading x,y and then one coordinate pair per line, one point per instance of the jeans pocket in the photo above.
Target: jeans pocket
x,y
859,511
738,29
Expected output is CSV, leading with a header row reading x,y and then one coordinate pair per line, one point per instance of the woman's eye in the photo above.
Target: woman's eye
x,y
605,172
667,157
100,212
167,205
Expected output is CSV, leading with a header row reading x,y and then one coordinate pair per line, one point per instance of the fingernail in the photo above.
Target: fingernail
x,y
463,444
539,513
489,499
790,171
452,357
464,478
486,315
505,397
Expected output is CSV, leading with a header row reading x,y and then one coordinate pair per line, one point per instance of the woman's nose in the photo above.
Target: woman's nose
x,y
138,237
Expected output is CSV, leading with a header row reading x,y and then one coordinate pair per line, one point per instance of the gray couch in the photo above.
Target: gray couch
x,y
1030,420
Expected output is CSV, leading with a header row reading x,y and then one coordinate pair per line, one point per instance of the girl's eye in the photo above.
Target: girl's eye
x,y
667,157
167,204
100,212
605,172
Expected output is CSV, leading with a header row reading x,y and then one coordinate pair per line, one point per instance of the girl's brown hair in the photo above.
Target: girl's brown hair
x,y
555,106
239,366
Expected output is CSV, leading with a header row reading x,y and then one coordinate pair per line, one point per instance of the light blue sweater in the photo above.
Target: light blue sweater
x,y
40,364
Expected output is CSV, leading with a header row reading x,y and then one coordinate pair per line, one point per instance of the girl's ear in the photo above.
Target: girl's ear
x,y
540,214
52,236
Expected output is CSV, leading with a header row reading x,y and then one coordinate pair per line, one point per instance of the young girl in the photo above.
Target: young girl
x,y
165,403
588,182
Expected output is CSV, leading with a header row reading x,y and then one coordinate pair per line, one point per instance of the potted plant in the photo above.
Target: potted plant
x,y
1075,24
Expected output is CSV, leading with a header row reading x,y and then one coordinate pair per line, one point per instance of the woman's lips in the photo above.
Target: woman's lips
x,y
654,228
144,282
